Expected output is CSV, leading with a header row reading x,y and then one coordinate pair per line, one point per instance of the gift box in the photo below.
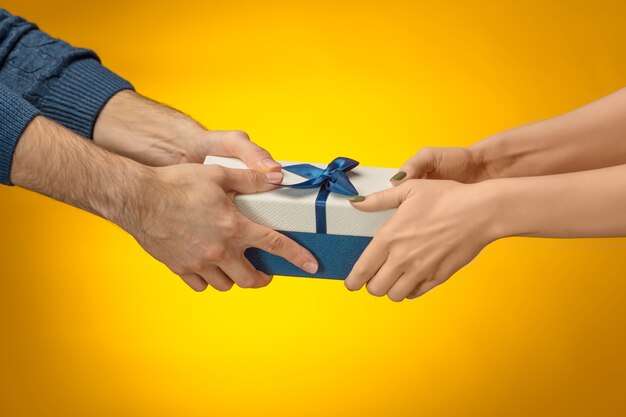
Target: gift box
x,y
312,208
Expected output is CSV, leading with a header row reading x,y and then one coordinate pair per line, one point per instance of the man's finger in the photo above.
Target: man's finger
x,y
419,166
247,181
194,281
280,245
235,143
382,200
216,278
240,270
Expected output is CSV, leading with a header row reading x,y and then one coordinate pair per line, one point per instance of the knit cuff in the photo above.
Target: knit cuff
x,y
15,115
76,98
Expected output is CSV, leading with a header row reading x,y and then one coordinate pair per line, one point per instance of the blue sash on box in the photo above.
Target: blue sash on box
x,y
336,254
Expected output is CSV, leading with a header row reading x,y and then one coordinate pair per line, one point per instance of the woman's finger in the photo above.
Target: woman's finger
x,y
382,200
417,167
385,278
405,285
372,258
422,289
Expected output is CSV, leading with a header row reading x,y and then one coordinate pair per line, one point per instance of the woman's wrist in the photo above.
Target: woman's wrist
x,y
499,200
498,154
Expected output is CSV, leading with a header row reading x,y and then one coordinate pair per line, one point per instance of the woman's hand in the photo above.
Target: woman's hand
x,y
450,163
439,227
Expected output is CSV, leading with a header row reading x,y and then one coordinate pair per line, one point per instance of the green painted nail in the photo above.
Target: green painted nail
x,y
399,175
356,198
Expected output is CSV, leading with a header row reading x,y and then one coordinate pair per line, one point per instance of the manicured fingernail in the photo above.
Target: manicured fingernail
x,y
399,175
310,267
274,177
356,198
270,163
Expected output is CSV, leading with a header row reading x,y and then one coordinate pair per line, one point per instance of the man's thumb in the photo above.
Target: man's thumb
x,y
248,181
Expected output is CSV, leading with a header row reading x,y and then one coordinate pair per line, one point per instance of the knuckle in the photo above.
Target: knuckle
x,y
262,282
261,152
426,151
359,271
246,282
254,177
196,265
239,134
217,172
275,242
375,289
351,284
215,253
179,270
229,226
383,239
406,261
199,288
223,286
396,297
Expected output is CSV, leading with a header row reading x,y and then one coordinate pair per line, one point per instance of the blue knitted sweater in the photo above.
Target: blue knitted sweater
x,y
43,75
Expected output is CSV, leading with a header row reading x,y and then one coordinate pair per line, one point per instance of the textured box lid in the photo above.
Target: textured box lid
x,y
293,210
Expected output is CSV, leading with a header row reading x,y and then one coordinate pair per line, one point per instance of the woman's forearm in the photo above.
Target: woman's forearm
x,y
580,204
590,137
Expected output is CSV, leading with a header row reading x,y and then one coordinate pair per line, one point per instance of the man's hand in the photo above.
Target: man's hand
x,y
438,228
188,221
183,215
156,135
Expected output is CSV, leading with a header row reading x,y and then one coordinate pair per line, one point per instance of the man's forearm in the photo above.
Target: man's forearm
x,y
67,84
157,135
146,131
579,204
54,161
593,136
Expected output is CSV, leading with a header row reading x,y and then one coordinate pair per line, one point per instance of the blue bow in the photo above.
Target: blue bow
x,y
333,179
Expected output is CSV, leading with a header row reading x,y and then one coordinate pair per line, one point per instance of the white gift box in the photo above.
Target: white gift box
x,y
293,212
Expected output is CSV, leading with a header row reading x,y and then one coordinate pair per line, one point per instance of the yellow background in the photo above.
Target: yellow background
x,y
92,326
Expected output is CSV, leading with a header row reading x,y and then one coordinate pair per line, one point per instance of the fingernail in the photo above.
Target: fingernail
x,y
356,198
310,267
399,175
270,163
274,177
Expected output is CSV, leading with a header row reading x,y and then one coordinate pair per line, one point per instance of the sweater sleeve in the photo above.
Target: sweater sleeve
x,y
67,84
15,115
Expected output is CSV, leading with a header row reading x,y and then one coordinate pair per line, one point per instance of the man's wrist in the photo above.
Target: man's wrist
x,y
54,161
148,132
127,203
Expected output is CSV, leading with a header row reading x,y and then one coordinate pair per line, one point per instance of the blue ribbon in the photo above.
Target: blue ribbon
x,y
333,179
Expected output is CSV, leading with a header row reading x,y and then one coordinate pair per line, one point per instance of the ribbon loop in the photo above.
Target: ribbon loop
x,y
332,179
